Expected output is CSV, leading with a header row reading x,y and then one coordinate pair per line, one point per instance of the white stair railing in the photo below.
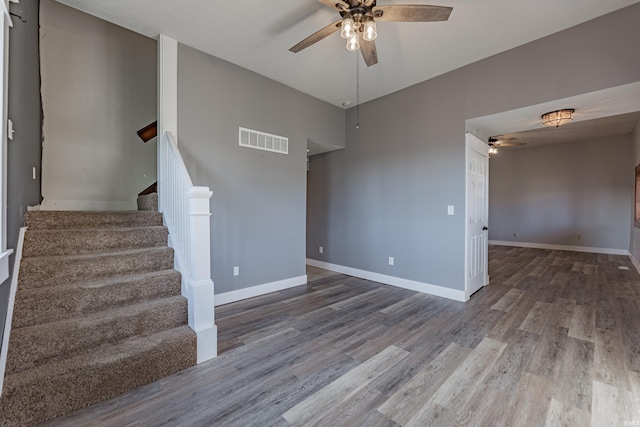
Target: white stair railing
x,y
186,213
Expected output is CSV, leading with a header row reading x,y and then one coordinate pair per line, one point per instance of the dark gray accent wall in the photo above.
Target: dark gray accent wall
x,y
259,197
634,238
387,193
555,193
24,151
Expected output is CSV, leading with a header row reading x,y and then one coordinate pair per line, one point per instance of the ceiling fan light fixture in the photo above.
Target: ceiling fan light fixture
x,y
558,118
348,28
370,30
353,44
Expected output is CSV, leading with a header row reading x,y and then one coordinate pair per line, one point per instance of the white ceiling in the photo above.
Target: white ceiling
x,y
256,34
602,128
599,114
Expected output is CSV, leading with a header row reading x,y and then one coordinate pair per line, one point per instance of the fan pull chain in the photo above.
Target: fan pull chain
x,y
357,91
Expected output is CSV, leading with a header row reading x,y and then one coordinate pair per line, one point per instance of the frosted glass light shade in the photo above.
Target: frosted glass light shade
x,y
558,118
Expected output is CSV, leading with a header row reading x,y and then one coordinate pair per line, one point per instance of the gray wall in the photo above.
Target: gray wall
x,y
553,194
387,193
98,88
258,203
24,151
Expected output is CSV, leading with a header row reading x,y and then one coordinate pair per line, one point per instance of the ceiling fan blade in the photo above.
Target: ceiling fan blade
x,y
369,52
512,144
411,13
317,36
340,5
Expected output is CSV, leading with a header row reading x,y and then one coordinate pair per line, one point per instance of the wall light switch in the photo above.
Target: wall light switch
x,y
10,130
236,271
450,210
321,249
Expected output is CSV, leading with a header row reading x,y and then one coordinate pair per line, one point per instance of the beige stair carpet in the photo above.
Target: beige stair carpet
x,y
98,312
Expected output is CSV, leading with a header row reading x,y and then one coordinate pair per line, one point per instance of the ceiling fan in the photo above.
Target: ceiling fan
x,y
358,23
499,141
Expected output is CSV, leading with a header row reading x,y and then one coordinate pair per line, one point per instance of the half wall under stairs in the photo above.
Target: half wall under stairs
x,y
98,311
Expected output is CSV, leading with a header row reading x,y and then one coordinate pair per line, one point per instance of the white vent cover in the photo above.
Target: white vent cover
x,y
263,141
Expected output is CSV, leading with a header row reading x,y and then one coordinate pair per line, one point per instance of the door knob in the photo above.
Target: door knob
x,y
485,228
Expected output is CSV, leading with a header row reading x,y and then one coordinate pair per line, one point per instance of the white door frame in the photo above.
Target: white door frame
x,y
5,23
474,143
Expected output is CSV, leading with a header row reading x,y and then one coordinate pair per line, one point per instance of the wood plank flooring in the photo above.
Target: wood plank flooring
x,y
554,340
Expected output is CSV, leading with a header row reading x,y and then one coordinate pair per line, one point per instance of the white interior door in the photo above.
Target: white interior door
x,y
477,259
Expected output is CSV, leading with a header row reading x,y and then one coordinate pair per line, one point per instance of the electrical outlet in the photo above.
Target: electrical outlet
x,y
321,249
579,237
236,271
450,210
391,260
514,234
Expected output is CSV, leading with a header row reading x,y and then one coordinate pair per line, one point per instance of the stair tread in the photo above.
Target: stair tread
x,y
97,317
103,254
91,219
94,229
57,242
53,270
101,283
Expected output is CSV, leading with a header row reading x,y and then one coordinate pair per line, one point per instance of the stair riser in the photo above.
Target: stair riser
x,y
36,396
50,271
76,242
34,306
40,344
148,202
41,220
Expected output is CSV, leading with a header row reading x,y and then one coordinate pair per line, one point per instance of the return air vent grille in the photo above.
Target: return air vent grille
x,y
263,141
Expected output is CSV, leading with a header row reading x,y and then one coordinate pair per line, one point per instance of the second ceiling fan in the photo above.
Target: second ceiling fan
x,y
358,23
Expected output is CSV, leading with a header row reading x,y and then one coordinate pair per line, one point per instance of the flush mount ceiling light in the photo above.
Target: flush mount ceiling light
x,y
558,118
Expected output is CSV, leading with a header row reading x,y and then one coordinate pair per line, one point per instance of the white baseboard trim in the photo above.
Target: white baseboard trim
x,y
255,291
207,348
9,315
561,247
426,288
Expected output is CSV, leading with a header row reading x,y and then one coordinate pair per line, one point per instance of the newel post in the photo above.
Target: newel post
x,y
199,283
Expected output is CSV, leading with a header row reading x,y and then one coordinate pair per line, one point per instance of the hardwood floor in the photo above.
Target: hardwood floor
x,y
554,340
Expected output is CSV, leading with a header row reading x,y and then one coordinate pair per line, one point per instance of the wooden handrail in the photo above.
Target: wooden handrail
x,y
148,132
153,188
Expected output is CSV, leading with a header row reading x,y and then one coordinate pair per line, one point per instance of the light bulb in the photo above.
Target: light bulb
x,y
370,31
353,44
348,28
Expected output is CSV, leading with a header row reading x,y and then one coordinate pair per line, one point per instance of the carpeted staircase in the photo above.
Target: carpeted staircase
x,y
98,311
